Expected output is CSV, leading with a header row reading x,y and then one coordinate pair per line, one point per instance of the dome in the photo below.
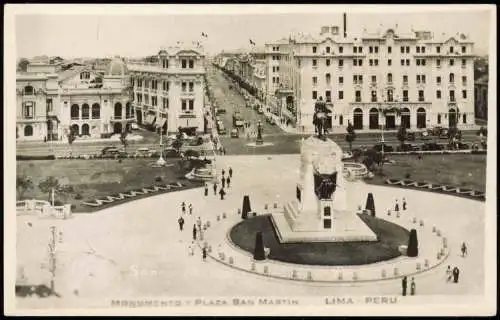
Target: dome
x,y
117,67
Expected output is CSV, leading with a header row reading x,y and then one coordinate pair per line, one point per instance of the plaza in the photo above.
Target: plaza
x,y
136,249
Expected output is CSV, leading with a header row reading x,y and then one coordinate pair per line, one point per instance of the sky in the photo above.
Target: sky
x,y
141,33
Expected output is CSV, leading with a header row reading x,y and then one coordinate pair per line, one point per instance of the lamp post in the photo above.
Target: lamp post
x,y
161,161
52,257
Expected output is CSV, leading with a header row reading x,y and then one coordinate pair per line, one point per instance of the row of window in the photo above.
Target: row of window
x,y
358,79
154,100
375,49
187,104
153,84
276,69
375,62
390,95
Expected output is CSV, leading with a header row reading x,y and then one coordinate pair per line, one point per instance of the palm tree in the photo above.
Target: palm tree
x,y
351,135
385,112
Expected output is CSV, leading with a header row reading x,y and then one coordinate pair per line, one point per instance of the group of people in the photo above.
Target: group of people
x,y
404,285
398,208
452,274
225,183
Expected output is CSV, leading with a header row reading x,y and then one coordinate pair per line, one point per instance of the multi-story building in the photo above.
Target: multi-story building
x,y
51,102
169,94
429,79
481,97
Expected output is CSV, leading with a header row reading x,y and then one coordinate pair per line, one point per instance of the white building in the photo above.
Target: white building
x,y
170,94
429,79
52,102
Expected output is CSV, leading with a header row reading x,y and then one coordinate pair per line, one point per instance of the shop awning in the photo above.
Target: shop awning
x,y
150,119
161,122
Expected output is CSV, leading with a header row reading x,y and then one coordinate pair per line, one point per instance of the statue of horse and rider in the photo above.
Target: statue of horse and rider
x,y
319,118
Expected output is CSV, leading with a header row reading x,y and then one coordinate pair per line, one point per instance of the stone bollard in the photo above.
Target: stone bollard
x,y
205,244
414,220
426,263
384,273
224,216
239,212
359,209
438,233
355,276
294,274
266,269
421,223
389,212
218,217
419,266
433,228
396,272
275,205
438,256
209,249
340,277
398,214
208,224
252,266
266,207
445,242
231,260
442,251
309,276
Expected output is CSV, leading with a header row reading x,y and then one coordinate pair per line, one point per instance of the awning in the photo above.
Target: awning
x,y
150,118
161,122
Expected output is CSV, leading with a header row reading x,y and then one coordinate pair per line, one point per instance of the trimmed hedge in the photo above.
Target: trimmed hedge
x,y
45,157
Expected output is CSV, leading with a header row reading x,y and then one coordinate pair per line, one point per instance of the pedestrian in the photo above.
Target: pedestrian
x,y
412,286
222,193
456,273
190,208
204,253
206,189
183,207
181,223
404,284
223,172
198,222
194,231
463,249
215,188
396,207
190,250
228,181
230,172
404,204
223,181
448,274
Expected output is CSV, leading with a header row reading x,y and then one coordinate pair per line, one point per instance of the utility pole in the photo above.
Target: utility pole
x,y
52,257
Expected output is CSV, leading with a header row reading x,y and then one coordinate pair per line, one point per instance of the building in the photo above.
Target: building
x,y
169,94
52,102
429,79
481,98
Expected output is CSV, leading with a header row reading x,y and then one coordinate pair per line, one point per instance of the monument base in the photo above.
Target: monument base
x,y
347,227
259,142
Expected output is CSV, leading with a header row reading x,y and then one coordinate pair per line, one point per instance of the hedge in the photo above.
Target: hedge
x,y
45,157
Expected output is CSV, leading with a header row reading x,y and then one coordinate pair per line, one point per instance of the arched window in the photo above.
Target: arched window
x,y
405,118
341,120
85,130
374,113
75,129
128,113
389,77
421,118
452,77
28,131
358,119
29,91
85,111
75,112
464,118
439,119
118,110
96,111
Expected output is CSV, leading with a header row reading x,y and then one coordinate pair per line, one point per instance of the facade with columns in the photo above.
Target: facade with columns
x,y
51,103
429,79
170,94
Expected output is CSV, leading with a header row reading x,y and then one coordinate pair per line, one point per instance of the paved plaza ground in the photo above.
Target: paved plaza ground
x,y
137,250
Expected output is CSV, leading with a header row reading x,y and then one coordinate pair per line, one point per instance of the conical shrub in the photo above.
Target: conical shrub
x,y
246,207
370,204
412,250
258,252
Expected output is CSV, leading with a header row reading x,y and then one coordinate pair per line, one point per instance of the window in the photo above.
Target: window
x,y
402,49
370,62
327,211
183,105
464,118
418,49
360,50
464,63
423,78
407,49
418,78
389,50
438,94
328,95
438,63
439,119
389,77
28,131
191,105
360,79
341,80
376,49
389,62
438,49
405,79
191,86
341,63
314,48
315,80
438,80
355,49
402,62
328,78
184,63
191,64
463,49
50,106
183,85
360,62
85,111
355,62
96,111
452,78
355,79
423,62
166,103
464,80
421,95
341,95
405,95
358,95
407,62
374,96
452,95
28,91
165,64
166,85
327,62
376,62
418,61
464,94
390,95
451,49
452,62
374,79
75,112
327,49
154,101
315,94
341,49
370,49
315,63
29,110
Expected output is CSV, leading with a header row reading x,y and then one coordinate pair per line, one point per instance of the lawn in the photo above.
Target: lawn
x,y
390,236
97,178
461,170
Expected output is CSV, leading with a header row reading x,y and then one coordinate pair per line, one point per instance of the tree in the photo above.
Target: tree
x,y
482,132
402,135
412,250
258,251
50,183
23,65
23,184
370,204
123,139
246,207
351,135
372,158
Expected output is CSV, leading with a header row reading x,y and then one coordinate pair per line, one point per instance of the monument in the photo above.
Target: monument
x,y
319,213
259,140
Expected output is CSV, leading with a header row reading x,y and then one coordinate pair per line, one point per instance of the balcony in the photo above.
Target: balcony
x,y
122,118
187,93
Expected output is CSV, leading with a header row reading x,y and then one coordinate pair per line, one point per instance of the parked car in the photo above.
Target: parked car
x,y
387,148
408,147
220,111
270,120
220,129
432,146
235,133
134,126
110,151
144,152
425,135
260,110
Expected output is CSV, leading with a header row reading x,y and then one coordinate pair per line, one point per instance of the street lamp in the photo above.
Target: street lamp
x,y
161,161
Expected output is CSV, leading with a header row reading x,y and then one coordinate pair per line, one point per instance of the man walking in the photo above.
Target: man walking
x,y
223,173
404,204
190,209
181,223
228,181
204,253
448,274
194,231
456,273
230,172
413,286
215,188
222,193
223,182
183,207
206,189
463,249
404,284
396,207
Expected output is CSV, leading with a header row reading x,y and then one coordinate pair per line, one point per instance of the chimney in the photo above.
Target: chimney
x,y
345,25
